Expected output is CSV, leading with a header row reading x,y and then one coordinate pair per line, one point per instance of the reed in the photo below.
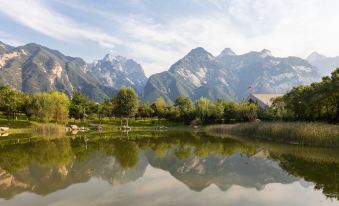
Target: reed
x,y
304,133
49,129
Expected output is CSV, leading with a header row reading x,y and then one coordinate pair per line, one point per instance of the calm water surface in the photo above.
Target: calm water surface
x,y
164,168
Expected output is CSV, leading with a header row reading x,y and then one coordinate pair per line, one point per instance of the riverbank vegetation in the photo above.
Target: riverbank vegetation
x,y
315,103
320,134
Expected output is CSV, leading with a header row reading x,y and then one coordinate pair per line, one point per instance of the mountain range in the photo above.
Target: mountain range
x,y
35,68
324,63
116,71
228,75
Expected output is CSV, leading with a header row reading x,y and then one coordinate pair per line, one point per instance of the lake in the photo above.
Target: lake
x,y
164,168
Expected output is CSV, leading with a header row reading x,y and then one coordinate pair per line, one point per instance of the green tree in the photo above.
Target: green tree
x,y
335,93
60,107
42,107
185,107
159,108
218,110
79,106
231,110
203,109
126,103
145,110
248,111
10,101
278,109
28,105
47,107
105,109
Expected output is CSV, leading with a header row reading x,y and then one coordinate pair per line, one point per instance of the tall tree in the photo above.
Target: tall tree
x,y
79,105
47,107
203,108
248,111
231,110
159,107
126,103
185,107
10,101
105,109
145,110
60,107
43,107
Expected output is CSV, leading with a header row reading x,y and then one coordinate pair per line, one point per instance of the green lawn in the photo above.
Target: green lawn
x,y
16,124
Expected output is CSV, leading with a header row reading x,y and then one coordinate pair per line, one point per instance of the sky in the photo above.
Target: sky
x,y
157,33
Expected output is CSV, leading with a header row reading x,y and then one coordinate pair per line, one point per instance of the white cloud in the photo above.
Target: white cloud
x,y
285,27
37,16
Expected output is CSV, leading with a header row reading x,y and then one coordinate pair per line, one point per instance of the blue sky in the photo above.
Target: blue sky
x,y
156,33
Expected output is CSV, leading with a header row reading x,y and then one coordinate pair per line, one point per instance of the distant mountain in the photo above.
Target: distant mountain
x,y
325,64
200,74
35,68
117,71
197,74
266,73
5,48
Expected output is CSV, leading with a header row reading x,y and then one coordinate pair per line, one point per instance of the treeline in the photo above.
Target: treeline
x,y
316,102
57,107
44,107
126,105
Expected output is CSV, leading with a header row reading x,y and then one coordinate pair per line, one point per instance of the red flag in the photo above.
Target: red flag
x,y
250,86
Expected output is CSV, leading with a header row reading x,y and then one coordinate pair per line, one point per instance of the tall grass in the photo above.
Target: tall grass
x,y
49,130
318,134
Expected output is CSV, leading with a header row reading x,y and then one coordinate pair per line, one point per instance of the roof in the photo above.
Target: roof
x,y
264,99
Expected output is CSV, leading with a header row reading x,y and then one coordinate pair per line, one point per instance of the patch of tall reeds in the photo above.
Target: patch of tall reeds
x,y
49,130
304,133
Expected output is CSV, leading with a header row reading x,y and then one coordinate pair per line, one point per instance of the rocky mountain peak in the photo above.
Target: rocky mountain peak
x,y
315,56
325,64
5,48
199,52
227,52
116,71
111,58
32,46
265,52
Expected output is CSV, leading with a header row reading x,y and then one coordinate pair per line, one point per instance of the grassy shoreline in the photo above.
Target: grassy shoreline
x,y
111,125
302,133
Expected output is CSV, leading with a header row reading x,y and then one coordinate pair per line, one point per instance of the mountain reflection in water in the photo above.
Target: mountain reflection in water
x,y
44,167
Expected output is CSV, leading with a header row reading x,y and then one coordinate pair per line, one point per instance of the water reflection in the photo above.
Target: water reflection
x,y
46,166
